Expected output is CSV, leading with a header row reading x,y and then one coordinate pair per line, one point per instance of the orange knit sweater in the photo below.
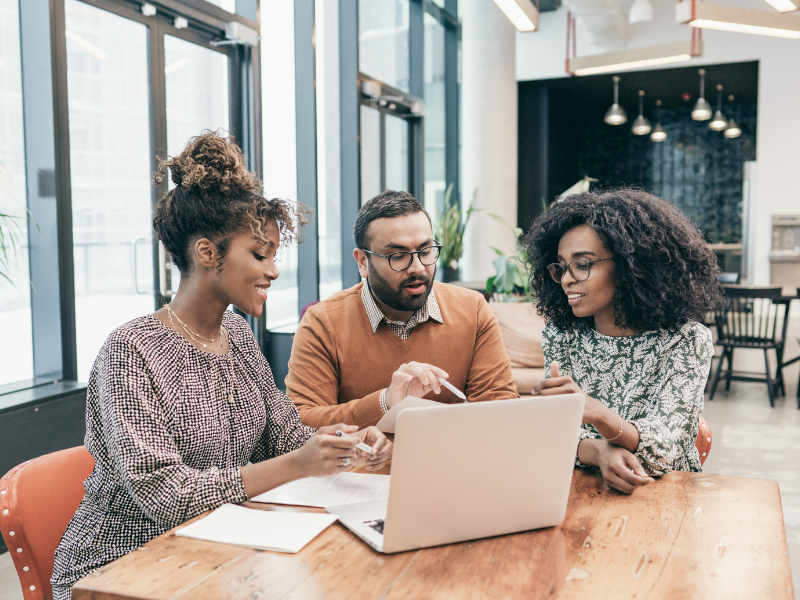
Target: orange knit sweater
x,y
338,367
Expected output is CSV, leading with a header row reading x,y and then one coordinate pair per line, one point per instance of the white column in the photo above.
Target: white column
x,y
489,133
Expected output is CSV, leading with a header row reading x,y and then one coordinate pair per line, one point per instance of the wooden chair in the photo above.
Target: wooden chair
x,y
751,318
786,363
37,501
703,441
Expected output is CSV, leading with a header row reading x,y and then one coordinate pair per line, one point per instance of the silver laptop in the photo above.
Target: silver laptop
x,y
471,471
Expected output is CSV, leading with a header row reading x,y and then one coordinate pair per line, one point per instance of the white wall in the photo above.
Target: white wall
x,y
541,55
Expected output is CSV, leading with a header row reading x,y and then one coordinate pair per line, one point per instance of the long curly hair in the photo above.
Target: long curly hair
x,y
215,197
666,274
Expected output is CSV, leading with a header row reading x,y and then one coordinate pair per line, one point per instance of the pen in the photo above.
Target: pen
x,y
360,445
451,387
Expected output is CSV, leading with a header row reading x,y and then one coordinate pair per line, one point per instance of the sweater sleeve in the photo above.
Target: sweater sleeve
x,y
142,451
313,381
667,432
489,375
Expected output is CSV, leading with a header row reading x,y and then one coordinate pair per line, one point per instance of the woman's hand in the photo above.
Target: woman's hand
x,y
413,379
381,448
621,470
558,384
324,453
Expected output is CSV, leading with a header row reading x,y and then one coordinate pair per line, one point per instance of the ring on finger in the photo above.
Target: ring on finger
x,y
346,461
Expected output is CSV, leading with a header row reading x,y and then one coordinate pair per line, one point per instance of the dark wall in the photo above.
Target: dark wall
x,y
562,138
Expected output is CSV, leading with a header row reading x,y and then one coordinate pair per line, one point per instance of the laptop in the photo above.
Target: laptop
x,y
469,471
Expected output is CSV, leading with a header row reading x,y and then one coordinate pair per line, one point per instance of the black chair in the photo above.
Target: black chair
x,y
794,360
753,318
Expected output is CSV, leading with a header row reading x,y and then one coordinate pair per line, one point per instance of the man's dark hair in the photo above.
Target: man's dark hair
x,y
666,274
384,206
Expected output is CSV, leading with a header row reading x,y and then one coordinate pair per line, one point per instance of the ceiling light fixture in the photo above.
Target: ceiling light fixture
x,y
785,5
641,126
719,122
615,115
642,12
522,13
733,130
658,135
634,58
740,20
702,109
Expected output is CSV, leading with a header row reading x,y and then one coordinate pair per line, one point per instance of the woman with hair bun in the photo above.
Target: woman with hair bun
x,y
182,413
624,281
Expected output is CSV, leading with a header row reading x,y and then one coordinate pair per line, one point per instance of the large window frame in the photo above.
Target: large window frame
x,y
47,155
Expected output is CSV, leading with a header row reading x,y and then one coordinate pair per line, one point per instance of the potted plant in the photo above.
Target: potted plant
x,y
449,232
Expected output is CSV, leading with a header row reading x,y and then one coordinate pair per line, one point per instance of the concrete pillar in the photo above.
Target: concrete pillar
x,y
489,134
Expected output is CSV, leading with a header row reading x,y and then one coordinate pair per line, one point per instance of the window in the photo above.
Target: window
x,y
16,357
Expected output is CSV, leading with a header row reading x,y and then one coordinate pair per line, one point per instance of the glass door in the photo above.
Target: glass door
x,y
110,149
117,126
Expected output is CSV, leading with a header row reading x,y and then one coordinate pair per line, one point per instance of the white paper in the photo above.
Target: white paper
x,y
334,490
260,529
388,422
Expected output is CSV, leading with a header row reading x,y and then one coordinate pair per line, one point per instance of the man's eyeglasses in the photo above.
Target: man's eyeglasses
x,y
579,269
400,261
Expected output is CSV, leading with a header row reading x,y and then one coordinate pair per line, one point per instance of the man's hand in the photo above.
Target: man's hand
x,y
557,384
413,379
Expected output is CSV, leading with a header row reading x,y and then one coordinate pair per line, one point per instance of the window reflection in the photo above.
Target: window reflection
x,y
16,358
110,169
383,41
435,182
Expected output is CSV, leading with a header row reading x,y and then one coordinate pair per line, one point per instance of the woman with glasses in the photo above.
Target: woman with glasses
x,y
624,281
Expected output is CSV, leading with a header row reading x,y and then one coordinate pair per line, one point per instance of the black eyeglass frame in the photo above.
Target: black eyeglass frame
x,y
568,267
388,257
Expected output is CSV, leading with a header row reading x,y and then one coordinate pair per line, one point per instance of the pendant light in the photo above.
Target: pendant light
x,y
615,115
702,109
733,130
641,126
658,135
719,122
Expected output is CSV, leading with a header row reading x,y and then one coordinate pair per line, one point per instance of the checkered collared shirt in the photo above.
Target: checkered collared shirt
x,y
430,310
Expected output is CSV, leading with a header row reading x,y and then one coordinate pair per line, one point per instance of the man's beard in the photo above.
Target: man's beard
x,y
399,299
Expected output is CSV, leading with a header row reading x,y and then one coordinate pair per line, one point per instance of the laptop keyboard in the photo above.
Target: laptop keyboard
x,y
377,525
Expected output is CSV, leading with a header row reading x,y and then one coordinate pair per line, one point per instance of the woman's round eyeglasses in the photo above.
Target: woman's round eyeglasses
x,y
579,269
400,261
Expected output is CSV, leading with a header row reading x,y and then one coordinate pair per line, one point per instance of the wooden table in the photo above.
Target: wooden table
x,y
688,535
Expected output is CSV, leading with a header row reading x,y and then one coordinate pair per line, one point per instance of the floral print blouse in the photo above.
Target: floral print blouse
x,y
654,380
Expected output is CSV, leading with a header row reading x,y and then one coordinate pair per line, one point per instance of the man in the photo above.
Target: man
x,y
364,349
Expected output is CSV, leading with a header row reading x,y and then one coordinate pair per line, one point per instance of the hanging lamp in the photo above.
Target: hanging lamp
x,y
702,109
733,130
719,122
658,135
615,115
641,126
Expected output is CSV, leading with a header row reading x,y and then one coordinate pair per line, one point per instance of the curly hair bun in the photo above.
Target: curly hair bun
x,y
210,161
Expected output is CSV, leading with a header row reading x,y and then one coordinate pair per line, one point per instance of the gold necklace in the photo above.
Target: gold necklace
x,y
190,331
223,336
191,337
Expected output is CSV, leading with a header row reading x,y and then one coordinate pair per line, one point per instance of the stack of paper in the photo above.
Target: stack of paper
x,y
334,490
252,528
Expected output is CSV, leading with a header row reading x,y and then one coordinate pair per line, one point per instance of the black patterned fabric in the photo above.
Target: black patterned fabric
x,y
167,439
654,380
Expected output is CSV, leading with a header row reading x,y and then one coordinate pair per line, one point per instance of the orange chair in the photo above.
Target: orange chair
x,y
37,501
703,441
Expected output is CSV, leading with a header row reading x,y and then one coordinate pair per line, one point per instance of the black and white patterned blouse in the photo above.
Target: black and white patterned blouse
x,y
654,380
167,443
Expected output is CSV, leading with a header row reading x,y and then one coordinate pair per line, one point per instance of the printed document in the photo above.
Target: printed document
x,y
260,529
333,490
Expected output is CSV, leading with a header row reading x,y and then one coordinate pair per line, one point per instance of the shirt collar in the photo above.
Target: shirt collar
x,y
429,310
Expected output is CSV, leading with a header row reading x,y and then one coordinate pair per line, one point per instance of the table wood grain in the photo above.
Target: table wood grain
x,y
688,535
